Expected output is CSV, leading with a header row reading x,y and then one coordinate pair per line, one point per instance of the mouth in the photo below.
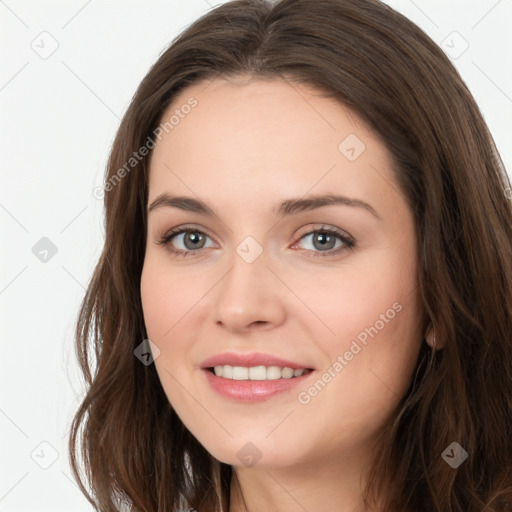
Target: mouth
x,y
254,376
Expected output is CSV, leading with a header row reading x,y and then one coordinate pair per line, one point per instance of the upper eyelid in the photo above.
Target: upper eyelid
x,y
179,230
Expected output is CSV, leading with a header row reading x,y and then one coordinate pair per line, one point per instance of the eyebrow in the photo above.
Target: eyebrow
x,y
287,207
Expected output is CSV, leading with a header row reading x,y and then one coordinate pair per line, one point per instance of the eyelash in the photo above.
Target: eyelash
x,y
166,239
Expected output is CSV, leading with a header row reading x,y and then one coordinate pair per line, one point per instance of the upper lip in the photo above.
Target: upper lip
x,y
249,360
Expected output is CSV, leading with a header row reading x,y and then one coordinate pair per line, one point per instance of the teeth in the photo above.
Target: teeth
x,y
228,371
273,373
256,372
240,373
287,373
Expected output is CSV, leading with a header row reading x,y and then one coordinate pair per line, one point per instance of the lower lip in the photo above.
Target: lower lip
x,y
252,390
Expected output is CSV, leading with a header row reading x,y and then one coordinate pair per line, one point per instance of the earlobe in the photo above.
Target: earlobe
x,y
432,340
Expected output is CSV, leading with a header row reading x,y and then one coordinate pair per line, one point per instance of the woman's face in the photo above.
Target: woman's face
x,y
269,271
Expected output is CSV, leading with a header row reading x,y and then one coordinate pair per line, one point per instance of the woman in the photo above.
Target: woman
x,y
304,301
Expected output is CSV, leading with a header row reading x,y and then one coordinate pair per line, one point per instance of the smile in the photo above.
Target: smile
x,y
257,372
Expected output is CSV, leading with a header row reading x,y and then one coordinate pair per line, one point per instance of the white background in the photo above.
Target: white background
x,y
59,117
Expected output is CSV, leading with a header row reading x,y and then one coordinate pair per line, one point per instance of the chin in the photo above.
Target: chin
x,y
253,451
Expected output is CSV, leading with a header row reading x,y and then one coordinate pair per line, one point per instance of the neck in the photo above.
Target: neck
x,y
323,485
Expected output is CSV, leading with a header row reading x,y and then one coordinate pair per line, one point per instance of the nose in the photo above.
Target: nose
x,y
249,297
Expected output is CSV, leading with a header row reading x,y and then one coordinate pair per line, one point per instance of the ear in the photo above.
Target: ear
x,y
434,340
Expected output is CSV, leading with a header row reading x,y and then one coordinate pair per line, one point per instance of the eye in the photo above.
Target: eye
x,y
323,241
188,238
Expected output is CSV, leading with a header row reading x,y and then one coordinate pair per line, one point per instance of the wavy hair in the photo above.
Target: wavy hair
x,y
127,445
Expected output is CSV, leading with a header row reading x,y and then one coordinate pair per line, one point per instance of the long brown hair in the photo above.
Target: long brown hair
x,y
378,63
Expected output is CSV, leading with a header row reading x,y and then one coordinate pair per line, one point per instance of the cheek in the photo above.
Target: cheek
x,y
164,304
173,303
166,298
378,290
157,303
372,313
368,363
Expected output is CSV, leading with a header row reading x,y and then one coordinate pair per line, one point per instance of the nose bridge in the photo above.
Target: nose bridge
x,y
247,293
248,275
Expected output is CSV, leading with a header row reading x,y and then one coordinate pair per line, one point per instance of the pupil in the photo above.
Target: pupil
x,y
323,238
194,238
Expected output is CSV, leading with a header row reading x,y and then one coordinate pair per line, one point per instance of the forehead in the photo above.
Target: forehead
x,y
275,114
248,138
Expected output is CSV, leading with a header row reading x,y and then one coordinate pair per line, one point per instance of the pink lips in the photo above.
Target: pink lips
x,y
248,360
250,390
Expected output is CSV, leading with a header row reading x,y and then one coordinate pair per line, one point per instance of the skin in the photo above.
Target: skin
x,y
247,146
